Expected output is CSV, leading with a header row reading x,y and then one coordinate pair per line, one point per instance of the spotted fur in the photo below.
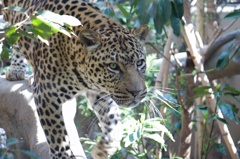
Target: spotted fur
x,y
105,61
18,66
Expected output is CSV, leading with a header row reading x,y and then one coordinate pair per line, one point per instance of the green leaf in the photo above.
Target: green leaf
x,y
178,6
41,28
235,109
29,35
12,141
109,11
58,19
133,135
220,148
231,91
227,111
154,125
11,35
201,91
194,72
138,132
175,23
70,20
4,54
223,60
30,154
155,129
15,8
202,88
156,137
153,120
133,5
233,15
204,111
170,97
123,10
175,19
53,27
166,9
142,11
220,119
157,19
177,125
131,138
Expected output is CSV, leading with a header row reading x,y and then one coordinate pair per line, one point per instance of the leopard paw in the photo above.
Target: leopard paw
x,y
99,153
15,75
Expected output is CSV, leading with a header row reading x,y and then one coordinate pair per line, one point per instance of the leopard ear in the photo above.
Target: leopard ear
x,y
90,39
141,32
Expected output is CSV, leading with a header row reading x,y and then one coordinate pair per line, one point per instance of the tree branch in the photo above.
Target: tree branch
x,y
211,98
218,42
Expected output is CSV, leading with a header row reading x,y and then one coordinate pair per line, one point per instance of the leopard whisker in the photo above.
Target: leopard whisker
x,y
165,90
155,109
164,100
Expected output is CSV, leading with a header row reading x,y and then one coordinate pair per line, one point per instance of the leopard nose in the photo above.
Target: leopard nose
x,y
133,93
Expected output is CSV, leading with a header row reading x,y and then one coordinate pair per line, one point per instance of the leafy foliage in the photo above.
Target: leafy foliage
x,y
228,109
158,13
43,24
232,53
6,153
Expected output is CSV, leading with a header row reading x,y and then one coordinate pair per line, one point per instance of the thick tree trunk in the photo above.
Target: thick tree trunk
x,y
186,129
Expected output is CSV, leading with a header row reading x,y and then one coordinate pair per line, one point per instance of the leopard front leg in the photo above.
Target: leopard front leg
x,y
108,114
18,66
57,126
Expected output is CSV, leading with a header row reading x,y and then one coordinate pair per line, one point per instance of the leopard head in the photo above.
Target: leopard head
x,y
115,63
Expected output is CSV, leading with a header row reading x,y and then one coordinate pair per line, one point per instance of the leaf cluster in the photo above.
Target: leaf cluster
x,y
6,153
39,25
156,12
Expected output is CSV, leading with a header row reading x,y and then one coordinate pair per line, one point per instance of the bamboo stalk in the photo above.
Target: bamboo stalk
x,y
162,77
189,37
199,133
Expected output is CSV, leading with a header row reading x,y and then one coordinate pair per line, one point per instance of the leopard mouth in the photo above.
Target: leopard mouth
x,y
128,103
128,100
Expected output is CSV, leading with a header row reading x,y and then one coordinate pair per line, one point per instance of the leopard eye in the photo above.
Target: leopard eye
x,y
140,63
113,67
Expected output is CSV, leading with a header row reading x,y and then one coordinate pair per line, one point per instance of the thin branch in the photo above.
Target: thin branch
x,y
176,59
150,44
165,32
217,43
217,34
231,24
185,75
180,99
2,39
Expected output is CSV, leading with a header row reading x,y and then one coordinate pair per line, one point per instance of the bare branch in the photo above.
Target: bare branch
x,y
150,44
217,43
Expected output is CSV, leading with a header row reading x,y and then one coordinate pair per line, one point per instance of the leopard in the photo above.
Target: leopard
x,y
104,61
